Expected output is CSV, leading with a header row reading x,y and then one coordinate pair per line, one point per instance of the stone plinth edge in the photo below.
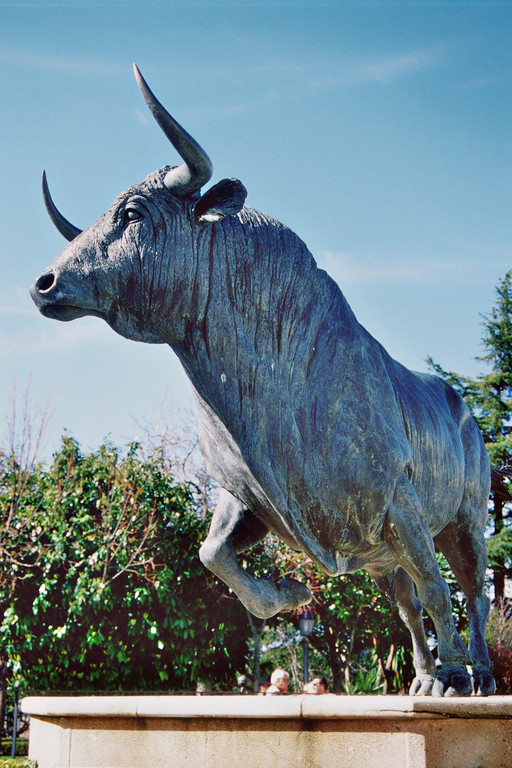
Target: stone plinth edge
x,y
316,707
261,732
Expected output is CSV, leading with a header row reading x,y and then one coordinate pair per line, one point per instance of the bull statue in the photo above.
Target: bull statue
x,y
311,429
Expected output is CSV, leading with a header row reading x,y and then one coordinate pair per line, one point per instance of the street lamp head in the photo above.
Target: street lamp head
x,y
307,622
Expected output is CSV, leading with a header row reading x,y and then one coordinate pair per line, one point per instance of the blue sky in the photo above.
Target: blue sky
x,y
379,131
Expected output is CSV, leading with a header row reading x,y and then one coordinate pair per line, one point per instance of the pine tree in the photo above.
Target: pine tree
x,y
489,398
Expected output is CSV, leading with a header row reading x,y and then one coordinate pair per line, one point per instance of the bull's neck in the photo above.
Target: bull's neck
x,y
268,304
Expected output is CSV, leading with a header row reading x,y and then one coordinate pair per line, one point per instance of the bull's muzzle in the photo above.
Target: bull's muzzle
x,y
52,302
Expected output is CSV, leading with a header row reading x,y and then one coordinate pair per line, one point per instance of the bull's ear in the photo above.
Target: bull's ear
x,y
223,199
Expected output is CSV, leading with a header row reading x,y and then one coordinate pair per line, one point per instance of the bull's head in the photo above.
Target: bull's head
x,y
128,267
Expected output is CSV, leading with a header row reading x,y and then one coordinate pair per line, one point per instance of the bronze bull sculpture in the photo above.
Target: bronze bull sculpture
x,y
312,430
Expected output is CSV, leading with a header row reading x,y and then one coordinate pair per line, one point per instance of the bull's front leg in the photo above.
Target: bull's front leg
x,y
234,529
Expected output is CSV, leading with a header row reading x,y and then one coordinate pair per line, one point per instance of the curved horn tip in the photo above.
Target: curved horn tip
x,y
143,86
68,230
147,93
136,72
44,185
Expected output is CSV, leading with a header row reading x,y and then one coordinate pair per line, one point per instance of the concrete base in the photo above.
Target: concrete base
x,y
269,732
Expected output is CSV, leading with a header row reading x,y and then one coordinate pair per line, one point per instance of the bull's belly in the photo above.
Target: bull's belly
x,y
339,530
327,530
331,528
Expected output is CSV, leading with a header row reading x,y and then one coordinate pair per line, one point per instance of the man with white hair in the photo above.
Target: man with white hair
x,y
279,682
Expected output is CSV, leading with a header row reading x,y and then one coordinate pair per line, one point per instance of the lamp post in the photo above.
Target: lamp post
x,y
306,624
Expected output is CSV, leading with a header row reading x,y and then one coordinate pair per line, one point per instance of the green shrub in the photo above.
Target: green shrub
x,y
101,586
21,747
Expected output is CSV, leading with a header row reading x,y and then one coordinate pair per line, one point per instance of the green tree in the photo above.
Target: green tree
x,y
361,634
101,587
489,398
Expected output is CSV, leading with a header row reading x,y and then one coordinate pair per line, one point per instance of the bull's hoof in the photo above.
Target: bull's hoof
x,y
271,598
452,680
422,685
483,682
293,594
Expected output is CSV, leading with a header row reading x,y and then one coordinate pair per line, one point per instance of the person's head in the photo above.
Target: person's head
x,y
281,679
318,685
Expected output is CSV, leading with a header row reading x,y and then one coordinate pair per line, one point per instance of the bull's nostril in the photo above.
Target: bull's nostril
x,y
45,282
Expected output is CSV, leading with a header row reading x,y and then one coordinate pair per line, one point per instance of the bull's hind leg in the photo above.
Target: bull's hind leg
x,y
407,534
400,590
234,529
462,543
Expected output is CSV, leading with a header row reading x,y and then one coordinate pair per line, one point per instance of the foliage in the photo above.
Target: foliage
x,y
501,660
366,678
489,395
101,587
281,647
499,549
489,398
21,748
499,641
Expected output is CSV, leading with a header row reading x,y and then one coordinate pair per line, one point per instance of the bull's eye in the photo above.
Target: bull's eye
x,y
131,215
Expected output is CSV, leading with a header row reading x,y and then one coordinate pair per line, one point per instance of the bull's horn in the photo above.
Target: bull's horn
x,y
63,225
197,169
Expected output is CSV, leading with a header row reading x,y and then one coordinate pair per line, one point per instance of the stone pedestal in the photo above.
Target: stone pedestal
x,y
270,732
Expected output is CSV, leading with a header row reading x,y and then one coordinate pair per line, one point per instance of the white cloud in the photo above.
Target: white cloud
x,y
280,80
13,309
477,83
389,68
39,60
353,268
142,117
59,337
16,301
